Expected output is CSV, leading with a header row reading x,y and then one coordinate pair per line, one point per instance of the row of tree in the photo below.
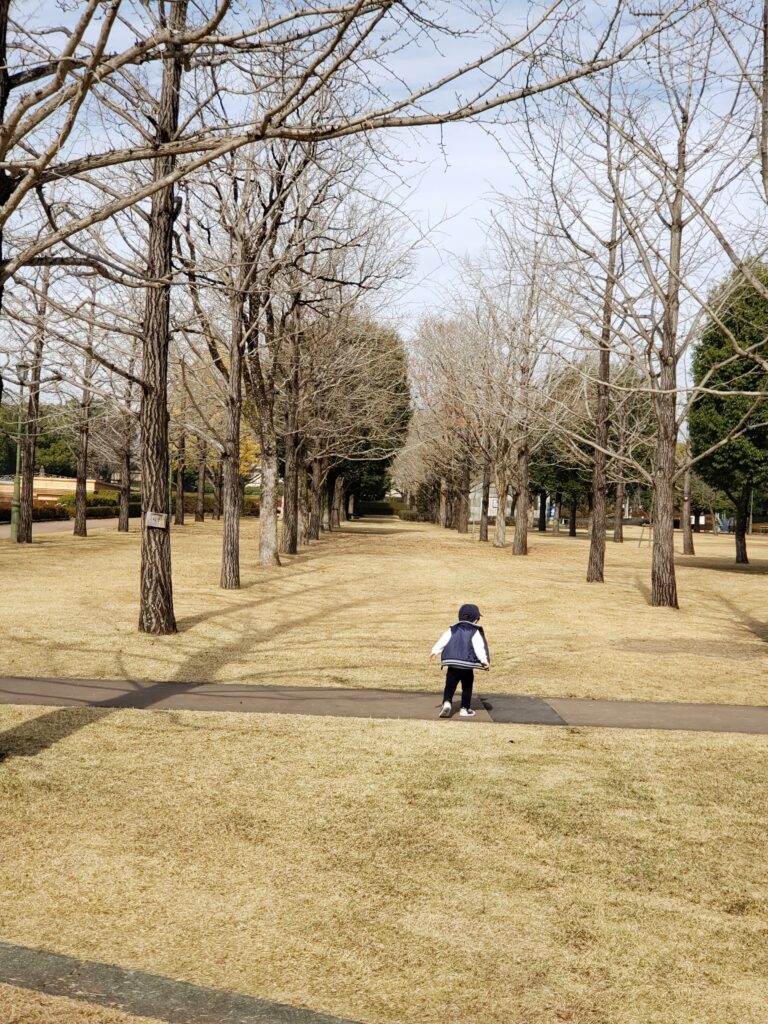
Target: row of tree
x,y
191,226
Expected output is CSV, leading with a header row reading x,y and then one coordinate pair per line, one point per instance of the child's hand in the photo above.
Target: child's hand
x,y
433,657
486,667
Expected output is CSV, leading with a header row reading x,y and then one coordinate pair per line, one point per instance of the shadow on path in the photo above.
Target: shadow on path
x,y
142,994
38,734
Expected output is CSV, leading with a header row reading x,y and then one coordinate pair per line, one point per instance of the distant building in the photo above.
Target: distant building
x,y
475,502
47,490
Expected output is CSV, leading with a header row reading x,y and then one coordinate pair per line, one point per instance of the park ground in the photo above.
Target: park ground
x,y
391,872
362,608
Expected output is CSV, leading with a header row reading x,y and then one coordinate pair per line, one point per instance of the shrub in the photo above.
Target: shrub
x,y
190,503
99,500
40,513
413,515
251,506
376,508
111,512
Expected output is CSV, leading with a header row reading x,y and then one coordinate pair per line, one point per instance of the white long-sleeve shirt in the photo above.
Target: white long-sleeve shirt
x,y
477,645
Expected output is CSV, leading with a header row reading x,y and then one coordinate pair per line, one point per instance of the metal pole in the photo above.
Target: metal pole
x,y
16,501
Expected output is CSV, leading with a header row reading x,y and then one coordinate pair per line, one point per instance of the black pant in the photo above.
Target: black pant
x,y
453,677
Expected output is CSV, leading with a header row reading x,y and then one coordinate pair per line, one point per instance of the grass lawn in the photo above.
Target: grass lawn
x,y
395,872
20,1006
363,608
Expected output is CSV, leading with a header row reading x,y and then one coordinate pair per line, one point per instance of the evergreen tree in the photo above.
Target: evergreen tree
x,y
739,465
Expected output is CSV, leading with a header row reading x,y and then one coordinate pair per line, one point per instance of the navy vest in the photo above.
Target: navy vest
x,y
459,651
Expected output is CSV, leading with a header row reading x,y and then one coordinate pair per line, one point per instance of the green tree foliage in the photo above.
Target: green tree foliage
x,y
8,420
54,451
744,459
741,464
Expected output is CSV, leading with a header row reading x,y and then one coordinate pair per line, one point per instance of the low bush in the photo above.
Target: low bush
x,y
190,503
40,513
98,500
412,515
251,506
110,511
376,508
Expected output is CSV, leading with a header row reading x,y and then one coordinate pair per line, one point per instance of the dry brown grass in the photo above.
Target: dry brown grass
x,y
398,872
18,1006
363,608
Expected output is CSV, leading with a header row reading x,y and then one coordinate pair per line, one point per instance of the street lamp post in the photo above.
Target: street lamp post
x,y
21,372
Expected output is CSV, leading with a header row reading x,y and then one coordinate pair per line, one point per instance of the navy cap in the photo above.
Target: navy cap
x,y
470,612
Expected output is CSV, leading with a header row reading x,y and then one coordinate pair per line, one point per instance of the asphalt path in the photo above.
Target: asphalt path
x,y
516,709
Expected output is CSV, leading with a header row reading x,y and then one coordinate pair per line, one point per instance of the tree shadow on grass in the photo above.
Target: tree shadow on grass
x,y
40,733
755,568
754,626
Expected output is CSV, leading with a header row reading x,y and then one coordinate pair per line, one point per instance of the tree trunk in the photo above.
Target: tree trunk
x,y
520,538
337,501
486,497
598,520
156,612
688,548
231,501
315,500
181,466
618,516
217,482
558,509
442,515
29,441
742,521
663,582
81,528
462,511
270,477
572,509
231,495
328,501
500,532
451,503
290,538
303,504
124,513
202,454
542,511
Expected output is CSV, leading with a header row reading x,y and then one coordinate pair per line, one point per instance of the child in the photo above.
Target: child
x,y
463,648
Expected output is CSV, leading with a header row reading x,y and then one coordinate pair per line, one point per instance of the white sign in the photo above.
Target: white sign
x,y
159,520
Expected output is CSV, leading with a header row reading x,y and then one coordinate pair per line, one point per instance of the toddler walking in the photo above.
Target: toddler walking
x,y
462,649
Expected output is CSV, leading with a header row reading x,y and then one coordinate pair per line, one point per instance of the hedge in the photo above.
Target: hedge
x,y
111,512
376,508
249,507
412,515
97,500
40,513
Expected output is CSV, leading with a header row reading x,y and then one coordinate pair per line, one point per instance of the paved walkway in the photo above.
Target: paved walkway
x,y
296,700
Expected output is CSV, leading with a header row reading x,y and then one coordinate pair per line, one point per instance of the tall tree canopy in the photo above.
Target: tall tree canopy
x,y
734,398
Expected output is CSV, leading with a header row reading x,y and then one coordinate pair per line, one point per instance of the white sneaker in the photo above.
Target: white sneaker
x,y
467,713
445,710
